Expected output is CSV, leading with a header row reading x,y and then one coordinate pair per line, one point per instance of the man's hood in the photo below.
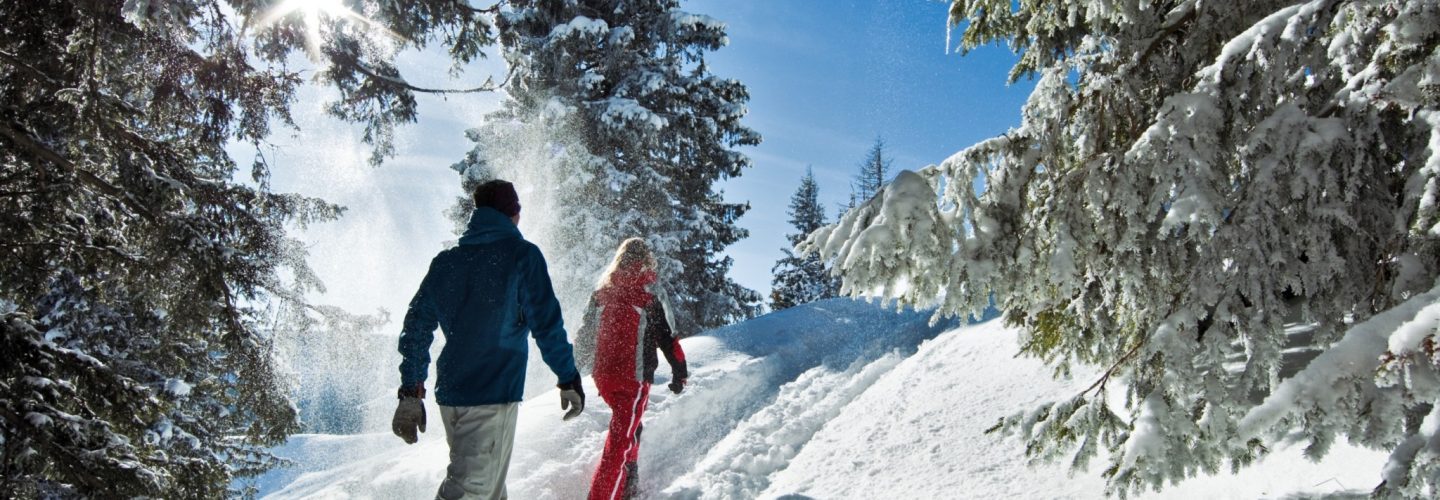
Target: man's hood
x,y
488,225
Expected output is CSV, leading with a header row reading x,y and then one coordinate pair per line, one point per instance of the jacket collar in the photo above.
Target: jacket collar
x,y
488,225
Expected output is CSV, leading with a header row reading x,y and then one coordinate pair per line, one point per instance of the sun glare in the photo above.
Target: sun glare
x,y
312,13
308,9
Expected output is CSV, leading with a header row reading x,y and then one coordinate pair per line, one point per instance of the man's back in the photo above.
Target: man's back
x,y
484,295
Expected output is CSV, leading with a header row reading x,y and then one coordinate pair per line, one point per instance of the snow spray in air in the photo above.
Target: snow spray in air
x,y
553,171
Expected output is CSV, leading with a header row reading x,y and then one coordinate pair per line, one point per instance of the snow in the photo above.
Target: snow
x,y
834,399
700,22
54,334
178,388
622,112
918,432
901,219
580,25
740,465
38,382
37,419
1148,441
1358,353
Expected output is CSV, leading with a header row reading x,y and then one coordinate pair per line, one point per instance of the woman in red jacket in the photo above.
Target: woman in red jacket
x,y
627,320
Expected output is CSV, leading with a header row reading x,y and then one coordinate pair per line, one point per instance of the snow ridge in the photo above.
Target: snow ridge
x,y
832,399
741,465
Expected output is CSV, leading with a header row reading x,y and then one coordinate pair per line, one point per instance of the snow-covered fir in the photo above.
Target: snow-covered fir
x,y
1207,260
143,264
1200,199
615,127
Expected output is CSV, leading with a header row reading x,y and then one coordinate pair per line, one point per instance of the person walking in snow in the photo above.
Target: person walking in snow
x,y
627,320
484,295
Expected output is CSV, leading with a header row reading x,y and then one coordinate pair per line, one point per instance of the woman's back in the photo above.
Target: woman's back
x,y
623,321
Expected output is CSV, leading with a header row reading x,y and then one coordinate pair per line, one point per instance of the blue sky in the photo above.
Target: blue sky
x,y
826,78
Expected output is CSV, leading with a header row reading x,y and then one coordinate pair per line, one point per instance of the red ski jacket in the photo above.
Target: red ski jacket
x,y
626,321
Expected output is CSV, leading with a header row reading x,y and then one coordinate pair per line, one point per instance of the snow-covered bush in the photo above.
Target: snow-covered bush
x,y
1201,197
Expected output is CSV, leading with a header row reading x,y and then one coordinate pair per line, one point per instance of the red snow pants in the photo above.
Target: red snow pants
x,y
627,399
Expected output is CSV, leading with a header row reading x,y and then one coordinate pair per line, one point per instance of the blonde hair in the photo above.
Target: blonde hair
x,y
632,252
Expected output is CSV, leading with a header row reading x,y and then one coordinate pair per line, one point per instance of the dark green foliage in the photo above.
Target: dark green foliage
x,y
138,263
616,100
798,280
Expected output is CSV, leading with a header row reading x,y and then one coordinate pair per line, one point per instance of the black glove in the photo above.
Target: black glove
x,y
409,414
572,398
677,385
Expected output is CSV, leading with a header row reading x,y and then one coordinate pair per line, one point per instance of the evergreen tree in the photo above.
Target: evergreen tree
x,y
873,173
801,279
139,264
1189,180
614,127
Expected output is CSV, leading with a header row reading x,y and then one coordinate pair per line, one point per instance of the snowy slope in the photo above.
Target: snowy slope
x,y
918,432
837,399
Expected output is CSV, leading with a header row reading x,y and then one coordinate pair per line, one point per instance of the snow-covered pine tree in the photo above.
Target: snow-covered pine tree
x,y
138,261
801,279
614,127
1201,196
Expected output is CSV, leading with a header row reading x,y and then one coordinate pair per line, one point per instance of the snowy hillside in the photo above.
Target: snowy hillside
x,y
837,399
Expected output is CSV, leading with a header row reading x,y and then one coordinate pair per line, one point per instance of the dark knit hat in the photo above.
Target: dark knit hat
x,y
499,195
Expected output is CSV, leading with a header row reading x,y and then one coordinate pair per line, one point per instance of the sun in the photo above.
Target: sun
x,y
312,13
311,10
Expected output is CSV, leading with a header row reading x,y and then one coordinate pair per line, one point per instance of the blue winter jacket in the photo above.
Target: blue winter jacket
x,y
484,294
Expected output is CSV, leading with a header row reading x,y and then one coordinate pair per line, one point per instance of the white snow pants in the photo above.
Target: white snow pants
x,y
480,438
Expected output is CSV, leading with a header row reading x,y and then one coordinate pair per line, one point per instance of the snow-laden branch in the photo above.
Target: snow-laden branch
x,y
1188,180
890,242
1357,355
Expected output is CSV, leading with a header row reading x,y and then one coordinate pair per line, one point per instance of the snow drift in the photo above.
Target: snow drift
x,y
835,399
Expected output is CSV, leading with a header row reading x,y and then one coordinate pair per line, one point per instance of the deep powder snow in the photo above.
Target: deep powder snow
x,y
836,399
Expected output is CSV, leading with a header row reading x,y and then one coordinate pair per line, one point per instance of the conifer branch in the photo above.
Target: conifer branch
x,y
86,177
1104,378
488,86
1191,12
21,63
487,10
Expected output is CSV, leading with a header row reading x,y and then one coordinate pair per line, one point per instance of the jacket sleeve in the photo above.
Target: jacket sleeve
x,y
416,335
542,312
664,335
586,338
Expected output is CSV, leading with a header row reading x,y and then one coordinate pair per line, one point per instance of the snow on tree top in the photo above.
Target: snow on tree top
x,y
621,112
700,22
178,388
580,24
697,21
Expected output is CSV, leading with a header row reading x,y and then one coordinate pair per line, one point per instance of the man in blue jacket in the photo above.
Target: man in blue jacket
x,y
484,295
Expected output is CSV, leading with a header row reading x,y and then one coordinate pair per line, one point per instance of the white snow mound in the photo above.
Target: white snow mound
x,y
835,399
